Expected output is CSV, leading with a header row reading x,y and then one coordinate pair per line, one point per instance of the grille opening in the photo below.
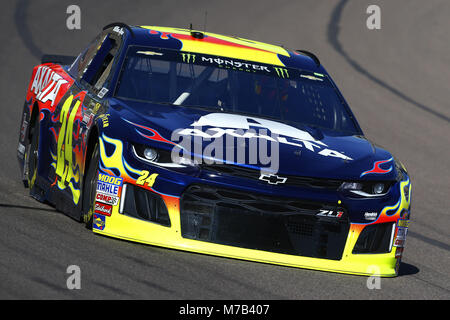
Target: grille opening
x,y
254,174
303,228
262,222
270,207
207,195
204,234
199,208
330,227
374,239
230,205
233,195
145,205
305,205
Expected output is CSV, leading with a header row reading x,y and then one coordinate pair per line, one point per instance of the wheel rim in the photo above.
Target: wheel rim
x,y
33,155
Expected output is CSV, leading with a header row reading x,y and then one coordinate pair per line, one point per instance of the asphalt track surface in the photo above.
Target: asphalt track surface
x,y
396,81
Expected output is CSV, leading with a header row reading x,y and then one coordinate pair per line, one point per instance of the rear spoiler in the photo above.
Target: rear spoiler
x,y
59,59
311,55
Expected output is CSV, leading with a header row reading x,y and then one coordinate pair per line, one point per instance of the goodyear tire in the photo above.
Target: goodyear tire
x,y
32,155
90,187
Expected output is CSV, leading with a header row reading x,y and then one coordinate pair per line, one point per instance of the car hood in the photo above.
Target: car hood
x,y
305,151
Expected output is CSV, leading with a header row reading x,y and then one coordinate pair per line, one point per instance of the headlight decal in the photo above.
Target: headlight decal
x,y
117,161
391,213
377,169
366,189
155,135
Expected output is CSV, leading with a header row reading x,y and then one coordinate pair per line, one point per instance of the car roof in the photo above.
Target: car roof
x,y
220,45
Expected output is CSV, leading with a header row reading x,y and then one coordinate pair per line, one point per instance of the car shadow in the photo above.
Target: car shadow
x,y
4,205
407,269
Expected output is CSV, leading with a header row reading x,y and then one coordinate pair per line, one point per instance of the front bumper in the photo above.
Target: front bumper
x,y
209,222
306,242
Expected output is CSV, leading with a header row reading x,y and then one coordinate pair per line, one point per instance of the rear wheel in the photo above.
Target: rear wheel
x,y
90,187
32,155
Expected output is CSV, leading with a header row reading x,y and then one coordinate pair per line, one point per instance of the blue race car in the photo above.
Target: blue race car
x,y
212,144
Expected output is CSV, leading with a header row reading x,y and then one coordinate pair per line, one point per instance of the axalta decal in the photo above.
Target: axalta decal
x,y
49,84
217,125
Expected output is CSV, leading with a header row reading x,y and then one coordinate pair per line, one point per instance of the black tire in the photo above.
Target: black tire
x,y
90,187
32,156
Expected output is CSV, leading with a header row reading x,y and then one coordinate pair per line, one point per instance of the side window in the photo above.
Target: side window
x,y
93,66
99,68
83,60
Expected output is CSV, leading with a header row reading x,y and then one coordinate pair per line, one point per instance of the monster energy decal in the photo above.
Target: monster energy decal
x,y
233,64
188,57
282,72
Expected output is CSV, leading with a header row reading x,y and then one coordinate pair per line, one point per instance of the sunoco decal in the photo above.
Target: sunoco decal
x,y
98,222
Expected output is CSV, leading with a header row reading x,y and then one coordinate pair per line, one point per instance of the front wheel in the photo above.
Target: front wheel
x,y
90,187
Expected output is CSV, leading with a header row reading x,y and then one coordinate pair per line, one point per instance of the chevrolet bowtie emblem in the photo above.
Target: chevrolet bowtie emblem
x,y
272,178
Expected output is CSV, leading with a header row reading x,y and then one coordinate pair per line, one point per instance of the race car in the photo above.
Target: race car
x,y
213,144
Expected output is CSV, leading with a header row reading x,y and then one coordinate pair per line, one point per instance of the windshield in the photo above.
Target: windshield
x,y
230,85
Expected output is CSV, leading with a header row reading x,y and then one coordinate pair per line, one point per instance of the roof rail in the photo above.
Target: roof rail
x,y
119,24
311,55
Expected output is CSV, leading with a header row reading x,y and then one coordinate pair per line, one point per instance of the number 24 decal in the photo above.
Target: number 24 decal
x,y
65,162
146,178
